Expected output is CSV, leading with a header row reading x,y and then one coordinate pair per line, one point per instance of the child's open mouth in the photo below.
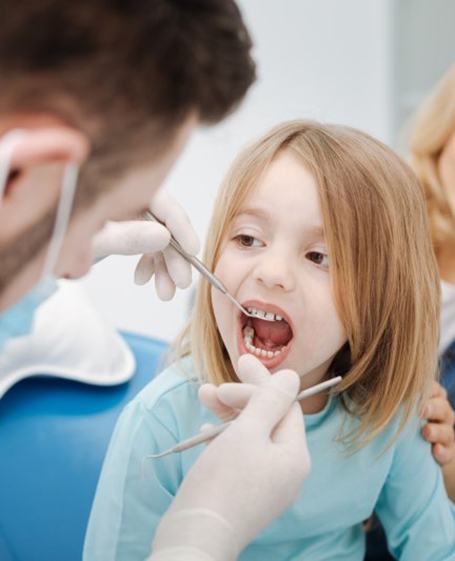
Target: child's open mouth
x,y
269,340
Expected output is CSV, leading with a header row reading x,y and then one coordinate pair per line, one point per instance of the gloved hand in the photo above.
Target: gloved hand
x,y
152,239
246,477
227,400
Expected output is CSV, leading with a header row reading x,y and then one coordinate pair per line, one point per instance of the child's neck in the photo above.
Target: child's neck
x,y
317,402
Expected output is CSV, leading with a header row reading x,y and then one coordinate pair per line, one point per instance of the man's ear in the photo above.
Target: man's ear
x,y
46,145
29,191
49,145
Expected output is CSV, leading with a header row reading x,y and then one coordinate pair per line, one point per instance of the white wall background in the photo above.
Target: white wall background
x,y
329,60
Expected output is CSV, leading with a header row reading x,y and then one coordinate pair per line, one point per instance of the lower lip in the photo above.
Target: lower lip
x,y
270,363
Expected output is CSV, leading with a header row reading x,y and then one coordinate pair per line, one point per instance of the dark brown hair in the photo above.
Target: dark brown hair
x,y
149,58
126,72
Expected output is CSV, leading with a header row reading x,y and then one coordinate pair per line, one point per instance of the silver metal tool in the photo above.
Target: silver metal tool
x,y
197,264
209,434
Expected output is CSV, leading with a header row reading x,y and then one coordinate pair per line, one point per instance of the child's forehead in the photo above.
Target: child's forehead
x,y
284,178
285,189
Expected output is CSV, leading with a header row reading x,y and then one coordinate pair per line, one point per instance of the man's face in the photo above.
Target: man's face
x,y
121,202
125,201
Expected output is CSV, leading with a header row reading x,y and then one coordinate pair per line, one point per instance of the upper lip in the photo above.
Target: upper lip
x,y
266,307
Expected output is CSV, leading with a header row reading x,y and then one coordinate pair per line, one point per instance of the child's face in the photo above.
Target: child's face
x,y
275,259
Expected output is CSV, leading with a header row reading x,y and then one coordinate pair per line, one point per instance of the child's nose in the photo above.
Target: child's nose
x,y
276,272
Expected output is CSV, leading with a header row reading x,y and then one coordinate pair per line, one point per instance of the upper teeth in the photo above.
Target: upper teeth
x,y
268,316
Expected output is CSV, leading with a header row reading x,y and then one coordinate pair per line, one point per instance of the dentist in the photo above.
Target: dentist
x,y
91,120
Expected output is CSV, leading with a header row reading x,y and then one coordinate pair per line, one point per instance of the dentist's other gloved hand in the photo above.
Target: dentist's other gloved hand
x,y
227,400
246,477
151,239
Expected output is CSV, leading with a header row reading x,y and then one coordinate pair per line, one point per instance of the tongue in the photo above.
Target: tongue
x,y
275,332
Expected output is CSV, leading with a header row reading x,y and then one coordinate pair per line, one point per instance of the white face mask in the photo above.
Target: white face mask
x,y
17,320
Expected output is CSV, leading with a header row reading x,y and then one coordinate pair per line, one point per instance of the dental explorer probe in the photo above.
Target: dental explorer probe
x,y
197,264
215,431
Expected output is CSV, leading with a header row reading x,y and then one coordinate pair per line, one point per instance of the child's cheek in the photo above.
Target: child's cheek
x,y
223,316
227,269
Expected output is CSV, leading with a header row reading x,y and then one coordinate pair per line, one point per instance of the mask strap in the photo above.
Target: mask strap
x,y
7,145
65,205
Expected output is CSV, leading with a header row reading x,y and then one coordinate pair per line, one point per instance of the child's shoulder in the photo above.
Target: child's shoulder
x,y
178,381
174,389
170,401
402,430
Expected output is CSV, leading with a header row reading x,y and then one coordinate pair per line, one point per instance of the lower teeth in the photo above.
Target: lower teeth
x,y
248,335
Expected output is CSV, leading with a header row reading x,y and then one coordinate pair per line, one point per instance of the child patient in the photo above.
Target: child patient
x,y
325,228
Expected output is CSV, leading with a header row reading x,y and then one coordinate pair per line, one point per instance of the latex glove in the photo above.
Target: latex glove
x,y
181,554
245,478
152,240
227,400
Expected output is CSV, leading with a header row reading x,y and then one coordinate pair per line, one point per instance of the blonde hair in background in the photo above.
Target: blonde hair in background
x,y
432,128
383,271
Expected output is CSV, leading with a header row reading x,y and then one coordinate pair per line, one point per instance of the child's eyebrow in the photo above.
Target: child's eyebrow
x,y
260,213
315,231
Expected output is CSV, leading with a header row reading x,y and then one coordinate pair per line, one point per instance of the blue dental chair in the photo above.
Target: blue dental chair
x,y
53,438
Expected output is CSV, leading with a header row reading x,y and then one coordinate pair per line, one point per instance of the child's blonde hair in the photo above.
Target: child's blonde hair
x,y
383,270
433,126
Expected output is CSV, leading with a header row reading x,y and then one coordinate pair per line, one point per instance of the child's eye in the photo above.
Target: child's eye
x,y
244,240
319,258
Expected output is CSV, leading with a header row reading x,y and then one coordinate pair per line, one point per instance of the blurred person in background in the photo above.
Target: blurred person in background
x,y
432,146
